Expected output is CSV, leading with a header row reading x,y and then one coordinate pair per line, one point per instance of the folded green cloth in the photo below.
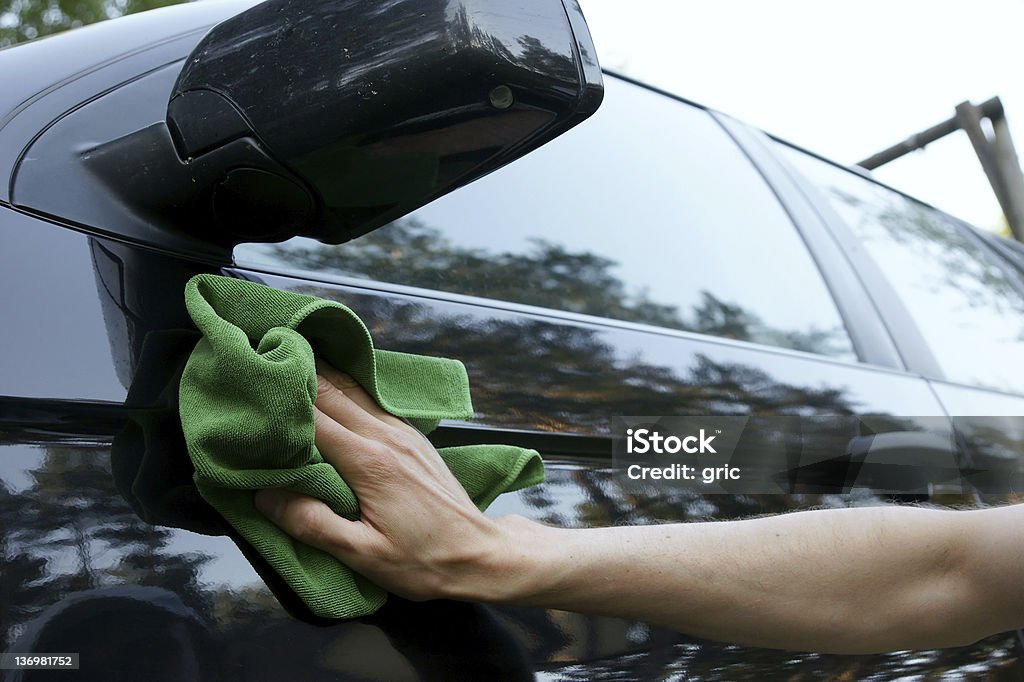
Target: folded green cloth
x,y
246,406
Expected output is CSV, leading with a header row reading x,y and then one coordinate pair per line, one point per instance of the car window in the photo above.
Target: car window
x,y
648,213
965,299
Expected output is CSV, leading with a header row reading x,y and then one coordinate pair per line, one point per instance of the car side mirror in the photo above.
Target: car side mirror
x,y
329,118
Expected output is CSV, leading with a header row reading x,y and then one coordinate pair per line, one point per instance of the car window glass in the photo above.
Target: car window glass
x,y
647,213
965,300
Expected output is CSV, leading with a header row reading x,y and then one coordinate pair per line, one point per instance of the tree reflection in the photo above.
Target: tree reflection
x,y
23,20
71,508
966,300
544,274
538,57
964,266
57,534
23,584
531,373
528,372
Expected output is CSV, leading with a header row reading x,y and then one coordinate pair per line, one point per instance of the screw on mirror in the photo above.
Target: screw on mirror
x,y
501,97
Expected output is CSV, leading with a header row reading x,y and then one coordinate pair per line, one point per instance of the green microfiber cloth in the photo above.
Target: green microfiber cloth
x,y
246,405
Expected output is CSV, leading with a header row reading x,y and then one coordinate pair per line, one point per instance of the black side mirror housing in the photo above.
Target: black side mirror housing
x,y
377,108
329,118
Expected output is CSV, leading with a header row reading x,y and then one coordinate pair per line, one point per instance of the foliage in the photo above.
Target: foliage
x,y
22,20
544,274
72,510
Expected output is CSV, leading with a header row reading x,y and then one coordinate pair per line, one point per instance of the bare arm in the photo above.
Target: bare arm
x,y
844,581
840,581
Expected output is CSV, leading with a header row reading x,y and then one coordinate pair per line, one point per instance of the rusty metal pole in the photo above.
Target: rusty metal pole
x,y
997,154
911,144
1009,168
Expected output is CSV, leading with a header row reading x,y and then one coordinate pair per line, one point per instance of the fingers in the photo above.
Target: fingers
x,y
365,443
343,399
347,435
312,522
340,407
357,458
351,388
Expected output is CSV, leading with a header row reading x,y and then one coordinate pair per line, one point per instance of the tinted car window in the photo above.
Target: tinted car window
x,y
965,299
648,213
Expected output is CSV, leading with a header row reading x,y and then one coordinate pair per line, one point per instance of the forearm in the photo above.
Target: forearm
x,y
847,580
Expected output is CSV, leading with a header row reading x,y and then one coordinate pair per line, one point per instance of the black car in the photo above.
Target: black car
x,y
658,258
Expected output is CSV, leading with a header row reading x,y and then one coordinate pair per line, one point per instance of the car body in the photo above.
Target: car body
x,y
659,259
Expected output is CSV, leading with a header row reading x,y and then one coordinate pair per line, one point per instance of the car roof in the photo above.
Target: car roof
x,y
33,69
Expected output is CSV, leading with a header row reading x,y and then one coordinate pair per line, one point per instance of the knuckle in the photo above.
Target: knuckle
x,y
326,431
404,446
380,551
323,386
342,543
305,520
323,424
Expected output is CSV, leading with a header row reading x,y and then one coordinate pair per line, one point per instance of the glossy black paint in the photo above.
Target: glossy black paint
x,y
41,83
92,555
325,119
379,108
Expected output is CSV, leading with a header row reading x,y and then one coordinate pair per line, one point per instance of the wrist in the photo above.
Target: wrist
x,y
516,565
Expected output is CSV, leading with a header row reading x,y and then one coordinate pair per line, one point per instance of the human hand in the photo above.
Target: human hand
x,y
419,536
